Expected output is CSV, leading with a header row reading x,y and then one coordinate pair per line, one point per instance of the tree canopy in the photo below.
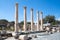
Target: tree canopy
x,y
3,21
51,19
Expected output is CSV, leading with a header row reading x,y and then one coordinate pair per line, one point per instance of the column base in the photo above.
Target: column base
x,y
15,35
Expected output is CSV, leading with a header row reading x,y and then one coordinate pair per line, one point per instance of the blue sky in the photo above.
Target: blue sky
x,y
48,7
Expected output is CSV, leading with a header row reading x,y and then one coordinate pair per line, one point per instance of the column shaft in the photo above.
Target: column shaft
x,y
25,19
16,17
37,20
31,19
41,27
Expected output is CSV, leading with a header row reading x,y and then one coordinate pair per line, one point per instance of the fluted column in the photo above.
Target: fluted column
x,y
16,17
31,19
37,20
25,19
41,14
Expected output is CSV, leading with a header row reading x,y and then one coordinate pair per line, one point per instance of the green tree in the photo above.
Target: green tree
x,y
50,19
3,21
28,22
21,24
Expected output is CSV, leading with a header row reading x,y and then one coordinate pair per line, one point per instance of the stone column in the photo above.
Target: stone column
x,y
37,20
16,17
31,19
25,19
41,14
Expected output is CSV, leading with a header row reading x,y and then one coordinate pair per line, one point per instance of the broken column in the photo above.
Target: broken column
x,y
37,20
23,37
16,17
41,14
25,19
31,19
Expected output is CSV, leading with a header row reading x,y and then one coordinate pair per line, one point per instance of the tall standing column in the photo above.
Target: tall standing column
x,y
31,19
16,17
41,14
37,20
25,18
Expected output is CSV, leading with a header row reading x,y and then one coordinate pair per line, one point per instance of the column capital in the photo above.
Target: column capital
x,y
31,9
25,7
16,3
37,12
41,12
